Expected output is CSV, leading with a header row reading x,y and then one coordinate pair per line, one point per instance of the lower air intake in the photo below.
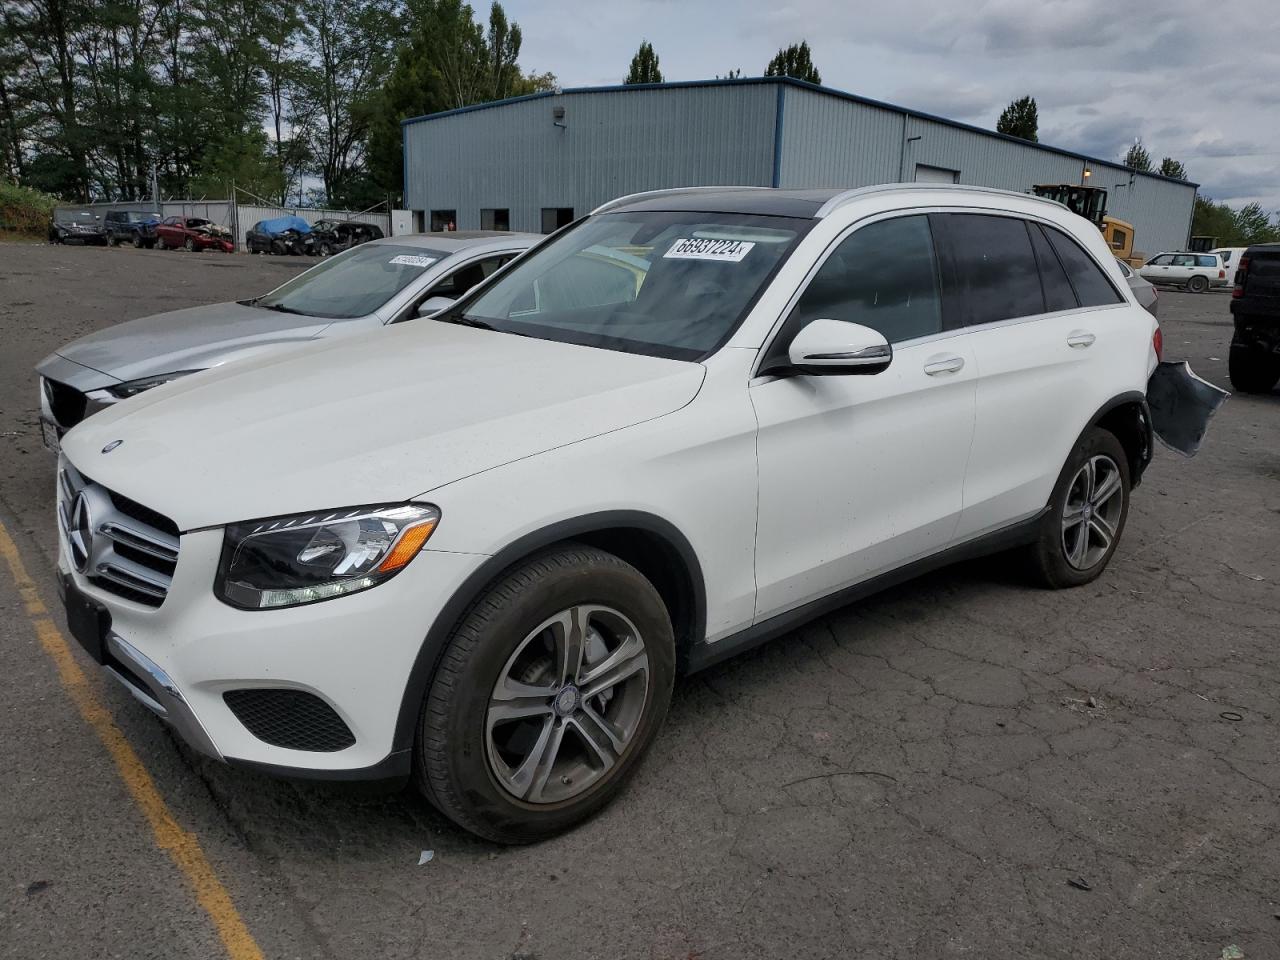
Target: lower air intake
x,y
293,719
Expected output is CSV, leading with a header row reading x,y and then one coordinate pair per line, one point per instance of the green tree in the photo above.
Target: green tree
x,y
733,74
1211,219
350,47
444,60
644,66
1170,167
795,61
1021,119
1137,157
1252,225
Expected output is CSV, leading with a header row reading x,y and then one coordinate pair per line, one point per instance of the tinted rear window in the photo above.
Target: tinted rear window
x,y
1092,287
996,273
1058,294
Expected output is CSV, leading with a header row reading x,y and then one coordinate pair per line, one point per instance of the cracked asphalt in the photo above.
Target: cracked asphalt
x,y
965,766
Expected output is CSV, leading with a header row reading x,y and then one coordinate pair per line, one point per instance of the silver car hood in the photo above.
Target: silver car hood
x,y
192,339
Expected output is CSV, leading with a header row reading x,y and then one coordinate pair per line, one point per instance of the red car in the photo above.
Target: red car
x,y
192,233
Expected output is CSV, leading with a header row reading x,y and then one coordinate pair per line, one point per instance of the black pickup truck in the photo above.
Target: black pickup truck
x,y
1255,307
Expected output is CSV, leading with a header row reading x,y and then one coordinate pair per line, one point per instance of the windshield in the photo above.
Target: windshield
x,y
665,284
354,283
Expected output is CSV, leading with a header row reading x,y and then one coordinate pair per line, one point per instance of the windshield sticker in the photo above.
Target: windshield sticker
x,y
410,260
693,248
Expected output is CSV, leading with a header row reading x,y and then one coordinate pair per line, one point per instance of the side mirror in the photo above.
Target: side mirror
x,y
433,305
835,347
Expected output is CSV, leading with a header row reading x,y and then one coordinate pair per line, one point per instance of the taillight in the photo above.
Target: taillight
x,y
1222,274
1238,290
1157,342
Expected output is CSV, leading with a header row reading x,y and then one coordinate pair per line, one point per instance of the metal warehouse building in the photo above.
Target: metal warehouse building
x,y
534,163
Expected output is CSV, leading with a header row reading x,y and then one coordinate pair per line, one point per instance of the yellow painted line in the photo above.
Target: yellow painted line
x,y
182,846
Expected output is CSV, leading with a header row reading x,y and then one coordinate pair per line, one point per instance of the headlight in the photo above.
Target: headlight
x,y
308,557
134,387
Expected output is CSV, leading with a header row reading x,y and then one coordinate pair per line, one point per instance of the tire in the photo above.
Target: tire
x,y
111,240
189,245
1198,284
138,242
1252,371
326,249
472,763
1057,558
278,248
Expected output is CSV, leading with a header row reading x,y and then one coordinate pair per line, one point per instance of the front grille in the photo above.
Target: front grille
x,y
293,719
65,402
120,545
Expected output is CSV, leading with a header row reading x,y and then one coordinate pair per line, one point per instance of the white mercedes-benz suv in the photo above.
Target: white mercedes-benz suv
x,y
476,550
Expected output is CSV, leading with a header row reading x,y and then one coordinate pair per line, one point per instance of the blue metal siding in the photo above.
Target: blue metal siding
x,y
758,131
830,140
612,144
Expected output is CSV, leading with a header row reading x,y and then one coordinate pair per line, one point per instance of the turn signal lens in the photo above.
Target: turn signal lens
x,y
1157,342
410,542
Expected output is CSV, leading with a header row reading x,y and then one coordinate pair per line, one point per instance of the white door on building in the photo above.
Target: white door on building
x,y
928,174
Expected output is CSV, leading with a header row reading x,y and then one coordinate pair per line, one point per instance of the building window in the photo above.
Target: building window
x,y
553,218
444,220
495,218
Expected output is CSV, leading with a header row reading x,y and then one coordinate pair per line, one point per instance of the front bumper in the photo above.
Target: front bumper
x,y
355,653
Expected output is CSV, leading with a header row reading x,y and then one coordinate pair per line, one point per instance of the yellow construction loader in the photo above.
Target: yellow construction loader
x,y
1091,203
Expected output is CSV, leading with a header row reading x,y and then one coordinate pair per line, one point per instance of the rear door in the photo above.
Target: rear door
x,y
1181,267
1261,282
1034,303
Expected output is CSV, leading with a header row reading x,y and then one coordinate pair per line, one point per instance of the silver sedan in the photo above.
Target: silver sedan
x,y
361,289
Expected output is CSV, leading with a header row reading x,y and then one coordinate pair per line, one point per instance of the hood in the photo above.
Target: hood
x,y
375,418
190,339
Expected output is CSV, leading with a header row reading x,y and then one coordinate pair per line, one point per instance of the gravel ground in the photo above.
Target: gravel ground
x,y
965,766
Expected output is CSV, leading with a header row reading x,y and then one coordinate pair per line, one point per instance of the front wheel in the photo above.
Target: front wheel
x,y
548,694
1198,284
1253,371
189,245
138,242
1086,514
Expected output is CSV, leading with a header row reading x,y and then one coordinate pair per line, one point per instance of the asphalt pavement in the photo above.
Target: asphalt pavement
x,y
965,766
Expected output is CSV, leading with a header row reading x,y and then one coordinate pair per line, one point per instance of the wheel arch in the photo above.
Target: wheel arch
x,y
1127,417
653,545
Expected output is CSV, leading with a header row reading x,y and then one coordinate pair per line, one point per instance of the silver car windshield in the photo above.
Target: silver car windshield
x,y
354,283
667,284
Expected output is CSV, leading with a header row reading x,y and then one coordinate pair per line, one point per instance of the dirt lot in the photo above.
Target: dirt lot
x,y
923,775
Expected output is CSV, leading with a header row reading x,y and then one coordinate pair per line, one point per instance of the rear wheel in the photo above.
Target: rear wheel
x,y
1251,370
548,694
1086,514
111,240
1198,284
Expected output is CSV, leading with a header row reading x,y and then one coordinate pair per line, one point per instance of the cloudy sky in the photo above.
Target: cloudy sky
x,y
1193,79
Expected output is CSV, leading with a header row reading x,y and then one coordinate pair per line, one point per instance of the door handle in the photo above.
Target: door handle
x,y
947,363
1080,338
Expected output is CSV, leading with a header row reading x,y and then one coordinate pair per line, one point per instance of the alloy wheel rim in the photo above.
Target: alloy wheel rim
x,y
567,704
1091,515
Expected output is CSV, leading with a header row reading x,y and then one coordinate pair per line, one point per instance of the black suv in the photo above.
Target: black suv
x,y
1255,307
131,226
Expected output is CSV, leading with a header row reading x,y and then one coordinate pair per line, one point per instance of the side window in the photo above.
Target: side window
x,y
1058,294
882,276
1184,260
1161,261
1204,261
466,277
997,277
1118,239
1092,287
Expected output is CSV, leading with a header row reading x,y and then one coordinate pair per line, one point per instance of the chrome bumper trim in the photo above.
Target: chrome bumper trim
x,y
162,696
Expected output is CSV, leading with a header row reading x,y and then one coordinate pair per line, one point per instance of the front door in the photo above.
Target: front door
x,y
859,474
